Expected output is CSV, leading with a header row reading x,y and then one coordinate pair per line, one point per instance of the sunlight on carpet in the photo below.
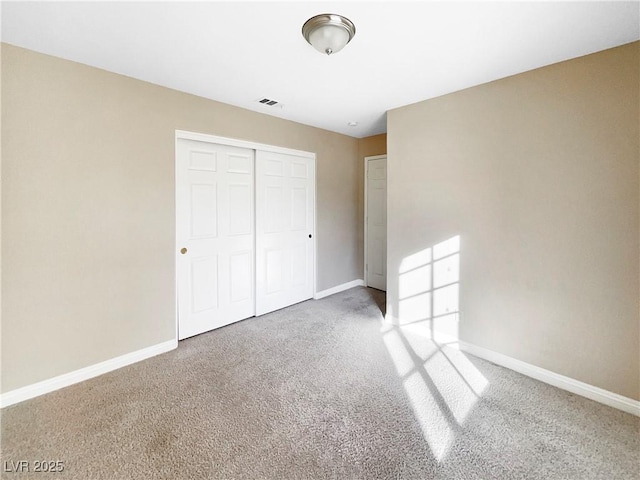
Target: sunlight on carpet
x,y
441,383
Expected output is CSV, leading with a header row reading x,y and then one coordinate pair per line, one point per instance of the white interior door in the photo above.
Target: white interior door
x,y
285,198
376,222
215,235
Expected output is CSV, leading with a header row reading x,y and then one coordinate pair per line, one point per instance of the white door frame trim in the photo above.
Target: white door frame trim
x,y
234,142
366,186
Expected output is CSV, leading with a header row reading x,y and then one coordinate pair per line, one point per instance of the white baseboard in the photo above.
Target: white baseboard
x,y
339,288
571,385
61,381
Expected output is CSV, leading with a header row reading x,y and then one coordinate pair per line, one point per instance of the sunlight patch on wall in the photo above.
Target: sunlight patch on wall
x,y
442,384
428,288
416,260
415,309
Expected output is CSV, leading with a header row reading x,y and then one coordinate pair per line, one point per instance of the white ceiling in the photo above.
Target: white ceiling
x,y
240,52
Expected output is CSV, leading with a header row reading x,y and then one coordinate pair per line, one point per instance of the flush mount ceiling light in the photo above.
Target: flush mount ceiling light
x,y
328,33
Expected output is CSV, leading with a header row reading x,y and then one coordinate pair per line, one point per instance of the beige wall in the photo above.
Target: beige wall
x,y
370,146
88,209
538,174
367,147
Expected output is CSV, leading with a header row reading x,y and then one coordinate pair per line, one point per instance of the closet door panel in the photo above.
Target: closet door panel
x,y
215,235
284,230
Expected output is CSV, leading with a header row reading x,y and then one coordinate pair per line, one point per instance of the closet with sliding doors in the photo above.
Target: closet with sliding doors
x,y
244,230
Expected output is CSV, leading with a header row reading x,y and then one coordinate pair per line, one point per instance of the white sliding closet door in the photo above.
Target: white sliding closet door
x,y
215,235
285,191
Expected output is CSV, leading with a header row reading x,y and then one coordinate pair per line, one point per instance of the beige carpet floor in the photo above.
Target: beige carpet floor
x,y
319,390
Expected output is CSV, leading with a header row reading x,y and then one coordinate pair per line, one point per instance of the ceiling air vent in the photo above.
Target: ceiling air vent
x,y
269,102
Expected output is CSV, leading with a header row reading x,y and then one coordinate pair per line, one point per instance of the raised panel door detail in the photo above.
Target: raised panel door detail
x,y
274,168
299,208
378,258
240,276
274,270
378,172
299,265
240,208
299,170
204,161
274,213
239,163
204,284
204,210
377,207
